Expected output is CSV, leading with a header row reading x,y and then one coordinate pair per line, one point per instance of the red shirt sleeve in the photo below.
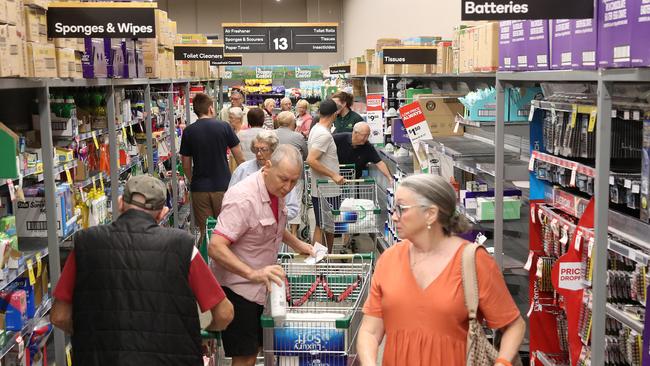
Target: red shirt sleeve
x,y
64,290
205,287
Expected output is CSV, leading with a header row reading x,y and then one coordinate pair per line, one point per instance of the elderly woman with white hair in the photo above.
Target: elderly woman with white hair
x,y
263,147
286,105
269,118
236,118
236,100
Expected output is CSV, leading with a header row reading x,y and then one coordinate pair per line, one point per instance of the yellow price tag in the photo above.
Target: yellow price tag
x,y
68,354
94,185
94,135
131,129
67,174
574,115
39,264
101,181
30,269
124,133
592,120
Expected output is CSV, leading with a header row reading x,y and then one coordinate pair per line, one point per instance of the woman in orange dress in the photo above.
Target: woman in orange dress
x,y
416,299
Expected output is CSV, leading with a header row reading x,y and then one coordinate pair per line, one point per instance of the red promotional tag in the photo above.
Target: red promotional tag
x,y
412,114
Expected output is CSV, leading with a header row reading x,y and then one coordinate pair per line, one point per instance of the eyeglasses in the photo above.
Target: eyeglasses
x,y
400,209
262,150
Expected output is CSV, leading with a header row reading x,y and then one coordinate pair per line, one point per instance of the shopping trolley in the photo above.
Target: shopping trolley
x,y
347,171
212,349
323,312
351,208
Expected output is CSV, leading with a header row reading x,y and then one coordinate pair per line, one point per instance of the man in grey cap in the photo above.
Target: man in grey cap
x,y
129,290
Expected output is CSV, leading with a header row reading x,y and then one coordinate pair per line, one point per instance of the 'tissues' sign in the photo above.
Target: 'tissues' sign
x,y
526,9
101,19
410,56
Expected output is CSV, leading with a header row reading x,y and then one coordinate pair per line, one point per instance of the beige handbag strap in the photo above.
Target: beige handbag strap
x,y
470,282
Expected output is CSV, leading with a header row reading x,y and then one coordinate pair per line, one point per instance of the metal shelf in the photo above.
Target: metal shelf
x,y
27,83
550,75
478,124
626,75
473,75
564,163
624,318
10,275
28,329
107,177
629,229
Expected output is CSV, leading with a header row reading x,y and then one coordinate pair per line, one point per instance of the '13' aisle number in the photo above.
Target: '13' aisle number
x,y
281,43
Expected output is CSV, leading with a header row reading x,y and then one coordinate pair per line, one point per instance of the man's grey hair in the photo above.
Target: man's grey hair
x,y
236,112
285,119
266,137
237,92
287,153
359,126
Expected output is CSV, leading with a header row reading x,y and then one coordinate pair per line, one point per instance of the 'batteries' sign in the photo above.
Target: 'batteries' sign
x,y
526,9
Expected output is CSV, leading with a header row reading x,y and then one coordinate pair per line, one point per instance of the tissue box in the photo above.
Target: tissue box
x,y
31,215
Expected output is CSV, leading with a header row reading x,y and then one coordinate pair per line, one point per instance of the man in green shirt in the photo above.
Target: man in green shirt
x,y
346,118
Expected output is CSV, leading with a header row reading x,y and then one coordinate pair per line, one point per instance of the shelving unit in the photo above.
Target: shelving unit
x,y
49,247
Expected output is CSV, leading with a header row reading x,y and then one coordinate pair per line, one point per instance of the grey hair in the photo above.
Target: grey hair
x,y
285,119
268,101
287,153
267,137
357,126
236,112
237,92
434,190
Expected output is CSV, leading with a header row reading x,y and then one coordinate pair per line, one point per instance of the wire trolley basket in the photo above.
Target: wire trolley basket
x,y
347,171
351,208
323,312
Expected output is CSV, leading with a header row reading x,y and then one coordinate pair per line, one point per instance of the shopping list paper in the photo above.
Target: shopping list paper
x,y
320,251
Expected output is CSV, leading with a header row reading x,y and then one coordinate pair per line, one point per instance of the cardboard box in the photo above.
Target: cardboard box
x,y
35,25
42,4
440,113
31,215
615,33
444,58
487,50
518,43
14,11
5,61
161,26
641,27
41,60
584,43
387,42
505,47
537,43
14,55
94,61
561,44
78,66
357,67
192,38
393,69
65,62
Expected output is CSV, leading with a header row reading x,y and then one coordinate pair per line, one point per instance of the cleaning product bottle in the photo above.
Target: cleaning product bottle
x,y
278,300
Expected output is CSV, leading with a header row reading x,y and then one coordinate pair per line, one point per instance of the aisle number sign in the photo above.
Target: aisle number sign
x,y
101,19
198,52
416,127
375,118
280,37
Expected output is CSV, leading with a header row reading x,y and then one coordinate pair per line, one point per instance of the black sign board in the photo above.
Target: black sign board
x,y
228,60
198,52
526,9
410,56
101,19
338,70
280,37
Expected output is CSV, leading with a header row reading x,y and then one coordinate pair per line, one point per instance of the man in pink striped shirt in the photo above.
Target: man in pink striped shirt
x,y
245,245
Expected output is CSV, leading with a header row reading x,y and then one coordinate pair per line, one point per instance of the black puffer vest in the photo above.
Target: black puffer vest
x,y
132,301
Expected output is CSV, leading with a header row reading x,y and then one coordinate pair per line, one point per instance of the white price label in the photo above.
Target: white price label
x,y
636,115
578,241
532,214
540,214
480,238
532,113
565,235
611,180
540,268
572,183
456,126
628,184
590,247
614,113
626,115
531,163
12,190
529,262
636,188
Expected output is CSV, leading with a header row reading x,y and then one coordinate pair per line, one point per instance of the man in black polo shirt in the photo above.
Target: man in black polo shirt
x,y
354,148
205,163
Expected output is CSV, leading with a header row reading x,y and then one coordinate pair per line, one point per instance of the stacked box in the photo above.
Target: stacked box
x,y
640,27
585,42
505,47
114,57
357,67
561,44
13,12
444,58
161,27
537,45
518,45
128,53
35,25
94,61
65,62
615,33
486,54
41,60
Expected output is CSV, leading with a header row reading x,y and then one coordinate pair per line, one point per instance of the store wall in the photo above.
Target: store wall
x,y
206,16
365,21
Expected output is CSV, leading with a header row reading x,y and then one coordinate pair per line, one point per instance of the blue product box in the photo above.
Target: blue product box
x,y
114,57
13,303
290,341
23,284
518,102
483,110
399,133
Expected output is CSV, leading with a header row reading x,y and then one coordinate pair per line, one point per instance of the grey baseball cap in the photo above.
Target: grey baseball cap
x,y
152,189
